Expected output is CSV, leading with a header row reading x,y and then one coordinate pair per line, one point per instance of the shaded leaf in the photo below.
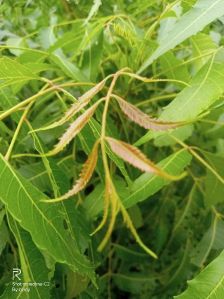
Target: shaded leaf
x,y
3,232
212,239
203,47
173,68
92,57
133,282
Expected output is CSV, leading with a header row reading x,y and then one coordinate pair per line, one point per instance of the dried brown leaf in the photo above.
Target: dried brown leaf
x,y
92,92
143,119
84,177
135,157
76,107
74,129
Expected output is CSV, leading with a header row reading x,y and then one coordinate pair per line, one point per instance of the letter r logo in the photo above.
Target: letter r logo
x,y
16,272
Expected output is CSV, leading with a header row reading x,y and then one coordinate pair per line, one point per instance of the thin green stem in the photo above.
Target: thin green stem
x,y
39,94
104,121
26,102
199,158
155,99
9,151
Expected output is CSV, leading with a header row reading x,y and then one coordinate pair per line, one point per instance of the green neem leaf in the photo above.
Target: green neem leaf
x,y
203,13
214,188
134,283
148,184
205,89
202,46
209,284
44,222
66,66
92,57
12,72
94,9
212,239
173,68
3,232
71,40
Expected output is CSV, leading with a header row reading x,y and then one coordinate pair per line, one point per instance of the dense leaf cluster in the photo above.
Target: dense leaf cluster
x,y
112,149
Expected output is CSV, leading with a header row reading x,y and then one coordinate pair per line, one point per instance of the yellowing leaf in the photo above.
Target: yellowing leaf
x,y
74,129
112,200
136,236
76,107
135,157
12,72
85,175
143,119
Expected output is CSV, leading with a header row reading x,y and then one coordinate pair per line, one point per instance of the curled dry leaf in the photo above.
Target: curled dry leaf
x,y
84,177
112,199
135,157
143,119
74,129
76,107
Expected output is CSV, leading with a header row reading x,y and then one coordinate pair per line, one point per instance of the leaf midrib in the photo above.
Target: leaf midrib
x,y
215,288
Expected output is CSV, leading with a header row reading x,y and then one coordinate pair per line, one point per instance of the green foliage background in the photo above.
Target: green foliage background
x,y
45,44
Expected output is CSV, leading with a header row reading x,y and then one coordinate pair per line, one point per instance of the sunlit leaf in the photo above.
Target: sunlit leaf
x,y
12,72
209,284
205,89
202,13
